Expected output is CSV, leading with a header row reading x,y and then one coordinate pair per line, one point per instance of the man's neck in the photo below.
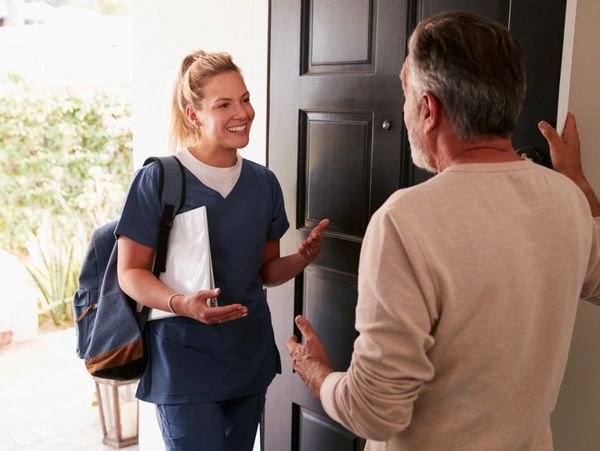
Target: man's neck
x,y
496,150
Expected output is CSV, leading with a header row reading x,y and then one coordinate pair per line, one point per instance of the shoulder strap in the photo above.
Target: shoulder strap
x,y
171,189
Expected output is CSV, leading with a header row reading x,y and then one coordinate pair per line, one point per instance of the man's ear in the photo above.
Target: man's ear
x,y
431,110
191,115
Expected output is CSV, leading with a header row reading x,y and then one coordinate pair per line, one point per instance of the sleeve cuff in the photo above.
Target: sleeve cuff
x,y
328,394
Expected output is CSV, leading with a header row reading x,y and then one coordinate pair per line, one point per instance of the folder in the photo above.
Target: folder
x,y
189,264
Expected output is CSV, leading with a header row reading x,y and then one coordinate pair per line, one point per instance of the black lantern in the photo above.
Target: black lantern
x,y
119,412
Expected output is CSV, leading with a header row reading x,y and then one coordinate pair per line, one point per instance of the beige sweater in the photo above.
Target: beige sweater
x,y
468,288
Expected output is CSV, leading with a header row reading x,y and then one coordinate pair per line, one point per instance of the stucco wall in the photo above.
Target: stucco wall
x,y
164,32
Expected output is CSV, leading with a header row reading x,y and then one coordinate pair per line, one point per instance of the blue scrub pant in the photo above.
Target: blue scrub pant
x,y
212,426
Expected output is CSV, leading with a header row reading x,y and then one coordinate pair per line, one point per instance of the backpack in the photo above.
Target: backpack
x,y
108,327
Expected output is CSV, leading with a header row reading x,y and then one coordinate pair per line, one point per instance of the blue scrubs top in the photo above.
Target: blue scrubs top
x,y
190,361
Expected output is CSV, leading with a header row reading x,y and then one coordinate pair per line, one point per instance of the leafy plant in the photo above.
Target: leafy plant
x,y
65,163
54,266
64,152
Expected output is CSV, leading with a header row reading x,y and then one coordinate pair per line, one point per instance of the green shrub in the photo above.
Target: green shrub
x,y
65,158
64,152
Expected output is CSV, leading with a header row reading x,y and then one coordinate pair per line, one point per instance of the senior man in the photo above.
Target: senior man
x,y
468,283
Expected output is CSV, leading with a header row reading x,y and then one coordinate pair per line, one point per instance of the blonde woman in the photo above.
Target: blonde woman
x,y
209,367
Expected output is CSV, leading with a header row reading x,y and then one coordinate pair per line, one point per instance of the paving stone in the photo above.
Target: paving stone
x,y
44,431
7,445
50,396
23,437
53,443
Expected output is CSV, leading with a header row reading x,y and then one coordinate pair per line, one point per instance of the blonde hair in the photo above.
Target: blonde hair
x,y
194,72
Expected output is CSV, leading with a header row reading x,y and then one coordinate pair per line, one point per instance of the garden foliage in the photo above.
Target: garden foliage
x,y
65,162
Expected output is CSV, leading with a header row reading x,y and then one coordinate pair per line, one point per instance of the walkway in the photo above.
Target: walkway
x,y
46,397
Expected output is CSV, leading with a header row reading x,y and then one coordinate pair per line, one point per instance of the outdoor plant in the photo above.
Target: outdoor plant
x,y
54,264
65,162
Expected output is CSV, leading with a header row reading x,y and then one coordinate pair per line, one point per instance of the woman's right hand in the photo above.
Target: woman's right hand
x,y
196,306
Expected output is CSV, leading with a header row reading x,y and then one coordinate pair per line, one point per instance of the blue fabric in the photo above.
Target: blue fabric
x,y
221,426
190,361
95,328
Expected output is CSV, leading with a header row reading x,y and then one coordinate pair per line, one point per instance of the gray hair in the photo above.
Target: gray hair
x,y
475,68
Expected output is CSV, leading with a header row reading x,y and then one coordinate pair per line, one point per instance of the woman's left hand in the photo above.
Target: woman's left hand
x,y
311,246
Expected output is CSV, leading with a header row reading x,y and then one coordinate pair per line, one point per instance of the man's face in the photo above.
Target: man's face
x,y
412,107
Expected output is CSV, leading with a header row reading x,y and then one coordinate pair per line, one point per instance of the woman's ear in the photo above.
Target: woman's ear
x,y
431,109
191,115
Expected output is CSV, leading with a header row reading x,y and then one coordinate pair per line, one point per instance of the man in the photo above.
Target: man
x,y
468,283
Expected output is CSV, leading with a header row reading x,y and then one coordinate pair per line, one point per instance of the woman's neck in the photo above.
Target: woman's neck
x,y
219,158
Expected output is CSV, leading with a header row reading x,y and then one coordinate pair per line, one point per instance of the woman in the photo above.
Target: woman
x,y
209,367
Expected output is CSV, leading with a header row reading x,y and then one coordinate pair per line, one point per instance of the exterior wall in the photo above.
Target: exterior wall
x,y
164,32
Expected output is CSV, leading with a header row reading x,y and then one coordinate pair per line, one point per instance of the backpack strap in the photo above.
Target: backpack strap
x,y
171,189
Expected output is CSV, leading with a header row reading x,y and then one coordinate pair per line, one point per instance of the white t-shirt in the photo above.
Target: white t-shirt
x,y
221,180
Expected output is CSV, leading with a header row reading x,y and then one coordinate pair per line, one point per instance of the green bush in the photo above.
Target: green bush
x,y
65,160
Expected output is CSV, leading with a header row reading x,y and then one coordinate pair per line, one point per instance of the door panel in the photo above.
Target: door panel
x,y
497,10
318,433
337,34
343,141
338,146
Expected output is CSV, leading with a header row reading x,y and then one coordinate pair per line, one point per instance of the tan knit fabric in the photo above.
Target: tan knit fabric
x,y
468,288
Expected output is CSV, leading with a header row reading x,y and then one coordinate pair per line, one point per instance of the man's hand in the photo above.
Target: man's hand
x,y
566,157
564,150
309,359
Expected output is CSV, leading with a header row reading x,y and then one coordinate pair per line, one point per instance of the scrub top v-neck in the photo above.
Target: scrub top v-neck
x,y
190,361
222,180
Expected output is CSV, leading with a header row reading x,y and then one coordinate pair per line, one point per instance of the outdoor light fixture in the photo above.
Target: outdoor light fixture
x,y
119,411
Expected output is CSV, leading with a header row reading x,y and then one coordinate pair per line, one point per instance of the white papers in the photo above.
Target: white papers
x,y
188,266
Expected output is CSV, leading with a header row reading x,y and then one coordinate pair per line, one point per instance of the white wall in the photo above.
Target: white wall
x,y
576,420
164,32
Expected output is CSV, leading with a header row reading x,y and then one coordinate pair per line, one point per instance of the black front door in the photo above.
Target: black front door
x,y
338,146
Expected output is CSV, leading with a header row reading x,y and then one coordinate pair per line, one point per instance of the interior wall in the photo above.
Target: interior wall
x,y
164,32
576,420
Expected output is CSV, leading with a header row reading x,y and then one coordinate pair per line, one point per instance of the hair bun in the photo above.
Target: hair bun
x,y
190,59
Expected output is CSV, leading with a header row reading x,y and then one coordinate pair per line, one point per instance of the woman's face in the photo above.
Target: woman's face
x,y
226,113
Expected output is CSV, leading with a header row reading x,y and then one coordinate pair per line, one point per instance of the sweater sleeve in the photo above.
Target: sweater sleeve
x,y
591,287
395,315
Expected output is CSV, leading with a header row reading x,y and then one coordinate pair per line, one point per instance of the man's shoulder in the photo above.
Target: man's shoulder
x,y
411,204
419,195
